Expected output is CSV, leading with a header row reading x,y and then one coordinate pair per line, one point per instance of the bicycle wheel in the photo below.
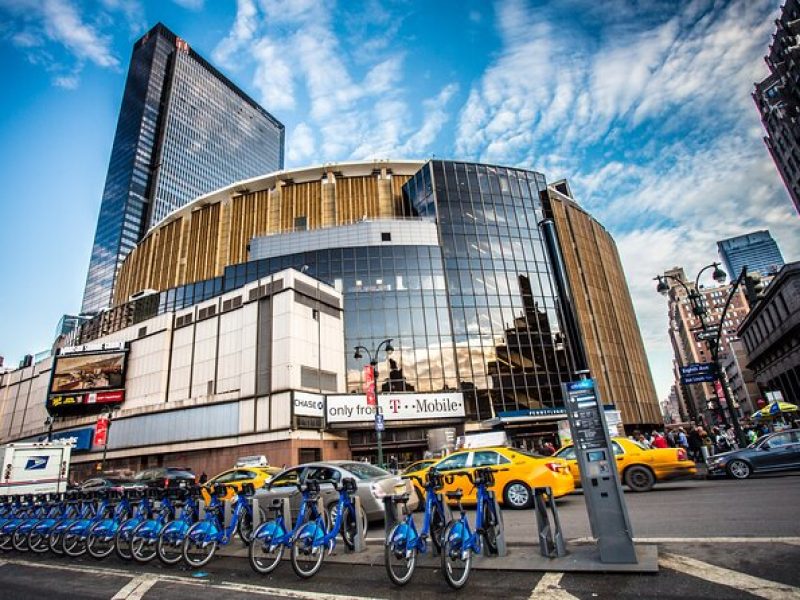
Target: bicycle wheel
x,y
198,547
19,540
170,544
245,525
73,541
5,541
37,541
265,556
456,561
437,528
54,540
399,559
143,543
99,542
122,540
307,556
489,529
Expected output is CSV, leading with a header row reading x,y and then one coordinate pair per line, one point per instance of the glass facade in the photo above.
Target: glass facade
x,y
510,348
477,313
183,130
757,251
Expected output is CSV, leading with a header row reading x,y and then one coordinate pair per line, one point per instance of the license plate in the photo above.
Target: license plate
x,y
400,488
182,484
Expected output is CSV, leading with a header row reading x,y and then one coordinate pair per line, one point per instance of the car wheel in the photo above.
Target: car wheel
x,y
639,479
517,495
738,469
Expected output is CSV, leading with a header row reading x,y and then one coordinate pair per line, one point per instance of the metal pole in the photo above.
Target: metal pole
x,y
105,446
378,410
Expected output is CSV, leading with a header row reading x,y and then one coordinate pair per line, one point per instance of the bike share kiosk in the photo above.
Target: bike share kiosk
x,y
608,515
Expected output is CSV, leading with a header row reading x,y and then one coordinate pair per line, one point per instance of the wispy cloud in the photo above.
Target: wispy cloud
x,y
49,27
649,113
190,4
351,103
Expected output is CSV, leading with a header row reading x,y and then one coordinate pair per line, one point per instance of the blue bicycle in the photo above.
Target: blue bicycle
x,y
272,537
170,539
205,536
80,506
27,509
403,542
48,508
143,510
102,534
310,543
38,535
458,541
145,536
75,536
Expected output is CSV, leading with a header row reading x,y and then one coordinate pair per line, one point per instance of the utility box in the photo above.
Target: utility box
x,y
35,468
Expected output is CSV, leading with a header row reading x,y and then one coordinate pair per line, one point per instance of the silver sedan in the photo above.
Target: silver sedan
x,y
374,484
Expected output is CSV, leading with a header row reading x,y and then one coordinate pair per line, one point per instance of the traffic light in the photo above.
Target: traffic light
x,y
753,287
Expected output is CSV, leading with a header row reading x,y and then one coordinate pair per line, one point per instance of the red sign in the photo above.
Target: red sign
x,y
105,397
369,385
101,432
720,394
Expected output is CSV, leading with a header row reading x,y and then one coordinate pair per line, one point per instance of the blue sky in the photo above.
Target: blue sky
x,y
644,105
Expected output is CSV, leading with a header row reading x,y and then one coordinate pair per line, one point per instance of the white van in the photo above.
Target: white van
x,y
34,468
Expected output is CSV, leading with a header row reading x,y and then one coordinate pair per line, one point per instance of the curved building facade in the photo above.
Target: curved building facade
x,y
445,258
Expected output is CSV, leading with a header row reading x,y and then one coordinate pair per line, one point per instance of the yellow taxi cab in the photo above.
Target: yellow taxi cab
x,y
238,476
639,467
518,472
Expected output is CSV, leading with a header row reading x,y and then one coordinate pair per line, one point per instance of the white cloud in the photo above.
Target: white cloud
x,y
652,123
273,76
190,4
301,144
68,82
63,24
436,115
240,36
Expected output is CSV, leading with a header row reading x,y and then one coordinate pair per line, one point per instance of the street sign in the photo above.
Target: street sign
x,y
706,335
698,373
704,378
380,425
369,385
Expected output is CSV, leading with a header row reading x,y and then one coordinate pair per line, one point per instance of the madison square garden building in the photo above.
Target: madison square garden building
x,y
493,287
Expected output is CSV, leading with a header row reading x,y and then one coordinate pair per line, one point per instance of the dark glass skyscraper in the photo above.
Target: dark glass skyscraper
x,y
184,130
756,250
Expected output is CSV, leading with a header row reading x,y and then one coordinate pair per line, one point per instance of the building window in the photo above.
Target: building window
x,y
300,224
386,236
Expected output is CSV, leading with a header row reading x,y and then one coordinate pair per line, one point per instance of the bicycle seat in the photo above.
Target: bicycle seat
x,y
456,495
248,489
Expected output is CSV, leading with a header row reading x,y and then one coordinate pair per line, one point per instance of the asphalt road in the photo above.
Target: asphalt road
x,y
738,540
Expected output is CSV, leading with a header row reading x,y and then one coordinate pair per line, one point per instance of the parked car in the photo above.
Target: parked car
x,y
518,473
113,483
773,452
165,477
374,484
418,465
235,478
639,467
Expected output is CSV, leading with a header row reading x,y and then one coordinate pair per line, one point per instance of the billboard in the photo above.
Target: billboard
x,y
81,373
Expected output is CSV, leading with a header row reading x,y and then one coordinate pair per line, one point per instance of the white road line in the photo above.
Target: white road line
x,y
222,585
549,586
136,588
763,588
703,540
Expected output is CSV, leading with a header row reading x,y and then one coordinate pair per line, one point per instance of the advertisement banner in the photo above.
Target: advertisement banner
x,y
369,385
78,400
352,408
78,373
81,439
308,405
101,432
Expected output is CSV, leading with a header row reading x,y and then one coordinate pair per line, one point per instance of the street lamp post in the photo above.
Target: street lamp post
x,y
711,337
386,345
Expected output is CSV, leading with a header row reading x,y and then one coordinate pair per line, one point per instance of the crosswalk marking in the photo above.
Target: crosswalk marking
x,y
136,588
763,588
549,586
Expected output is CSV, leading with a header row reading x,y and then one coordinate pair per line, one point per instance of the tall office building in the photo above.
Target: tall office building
x,y
757,251
778,99
184,130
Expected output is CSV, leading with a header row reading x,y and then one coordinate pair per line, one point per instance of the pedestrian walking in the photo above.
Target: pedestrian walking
x,y
203,478
695,444
682,440
659,441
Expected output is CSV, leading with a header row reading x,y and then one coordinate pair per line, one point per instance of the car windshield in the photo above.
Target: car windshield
x,y
640,445
364,470
528,453
179,473
418,465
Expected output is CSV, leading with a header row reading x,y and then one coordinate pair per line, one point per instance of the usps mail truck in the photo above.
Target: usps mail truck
x,y
34,468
